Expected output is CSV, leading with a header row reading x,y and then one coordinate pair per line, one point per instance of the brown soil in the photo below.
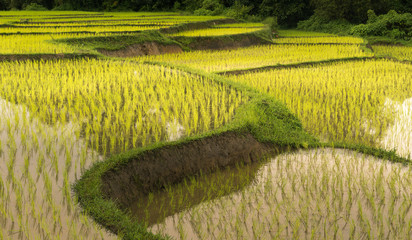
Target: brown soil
x,y
147,48
154,169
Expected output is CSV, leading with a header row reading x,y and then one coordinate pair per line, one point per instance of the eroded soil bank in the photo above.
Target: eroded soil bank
x,y
154,169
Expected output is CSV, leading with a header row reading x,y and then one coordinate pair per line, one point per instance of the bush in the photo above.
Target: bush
x,y
238,11
35,7
392,25
272,22
319,24
64,7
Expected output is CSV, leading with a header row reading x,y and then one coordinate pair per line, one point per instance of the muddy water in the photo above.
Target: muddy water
x,y
399,134
315,194
38,163
155,207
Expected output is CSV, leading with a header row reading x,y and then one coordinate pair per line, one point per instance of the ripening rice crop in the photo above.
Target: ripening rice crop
x,y
59,117
63,29
297,33
241,25
216,32
39,43
316,194
118,105
399,52
320,40
38,164
258,56
343,101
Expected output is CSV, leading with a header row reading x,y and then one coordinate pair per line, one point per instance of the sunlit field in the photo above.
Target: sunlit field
x,y
398,52
320,40
351,101
33,32
298,33
61,118
258,56
223,29
118,105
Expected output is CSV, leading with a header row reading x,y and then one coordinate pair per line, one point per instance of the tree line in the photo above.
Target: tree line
x,y
287,12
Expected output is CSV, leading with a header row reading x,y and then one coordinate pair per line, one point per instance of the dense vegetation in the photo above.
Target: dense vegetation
x,y
288,13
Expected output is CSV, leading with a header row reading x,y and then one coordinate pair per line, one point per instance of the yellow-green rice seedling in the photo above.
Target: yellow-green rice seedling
x,y
298,33
240,25
343,101
258,56
118,105
216,32
316,194
38,43
320,40
398,52
35,198
81,29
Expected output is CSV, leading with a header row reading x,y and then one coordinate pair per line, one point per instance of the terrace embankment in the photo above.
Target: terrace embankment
x,y
198,43
154,169
147,48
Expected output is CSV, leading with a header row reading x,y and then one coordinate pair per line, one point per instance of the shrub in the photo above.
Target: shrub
x,y
35,7
392,25
319,24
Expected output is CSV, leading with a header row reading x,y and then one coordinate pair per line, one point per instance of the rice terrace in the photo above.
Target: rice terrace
x,y
170,125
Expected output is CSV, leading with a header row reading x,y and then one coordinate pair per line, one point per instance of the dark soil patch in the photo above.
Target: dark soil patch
x,y
152,170
147,48
24,57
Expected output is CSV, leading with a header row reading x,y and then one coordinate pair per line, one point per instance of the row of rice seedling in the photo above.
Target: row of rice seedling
x,y
118,105
347,101
398,52
129,17
38,163
258,56
240,25
320,40
39,43
94,24
62,29
56,114
216,32
316,194
298,33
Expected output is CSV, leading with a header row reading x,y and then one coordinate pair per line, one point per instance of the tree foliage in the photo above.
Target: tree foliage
x,y
287,12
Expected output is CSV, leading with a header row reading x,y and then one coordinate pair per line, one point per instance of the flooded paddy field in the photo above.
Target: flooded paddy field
x,y
308,194
212,157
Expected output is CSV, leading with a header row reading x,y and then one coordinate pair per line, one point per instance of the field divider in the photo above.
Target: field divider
x,y
292,65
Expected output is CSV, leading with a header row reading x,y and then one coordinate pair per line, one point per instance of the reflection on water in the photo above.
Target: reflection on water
x,y
155,207
38,163
317,194
399,135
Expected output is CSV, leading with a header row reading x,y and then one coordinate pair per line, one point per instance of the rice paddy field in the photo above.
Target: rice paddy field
x,y
258,56
62,119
